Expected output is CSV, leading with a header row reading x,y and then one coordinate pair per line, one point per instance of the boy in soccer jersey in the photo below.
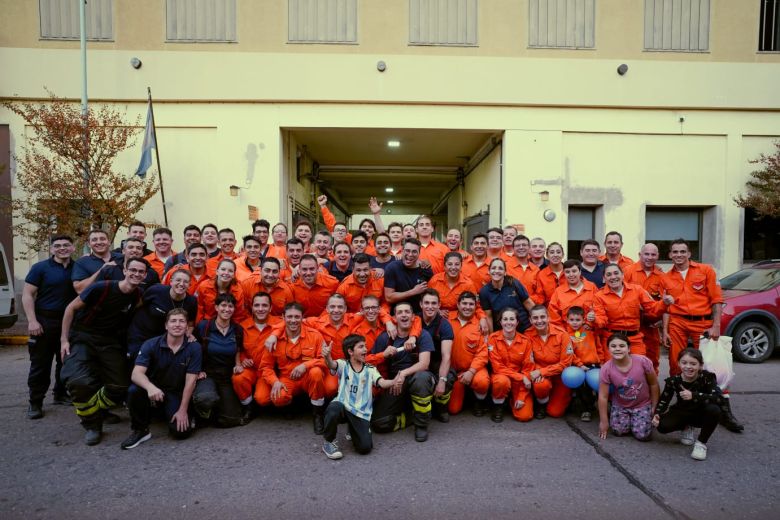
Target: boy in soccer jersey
x,y
354,402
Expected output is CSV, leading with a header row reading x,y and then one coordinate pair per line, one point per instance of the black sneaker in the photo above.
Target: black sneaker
x,y
62,399
34,411
479,408
111,418
319,424
541,413
93,437
442,415
135,438
420,434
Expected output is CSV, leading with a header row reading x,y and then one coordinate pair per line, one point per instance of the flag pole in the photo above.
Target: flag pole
x,y
157,155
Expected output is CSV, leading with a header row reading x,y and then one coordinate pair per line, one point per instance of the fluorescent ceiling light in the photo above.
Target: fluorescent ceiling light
x,y
389,190
390,201
393,143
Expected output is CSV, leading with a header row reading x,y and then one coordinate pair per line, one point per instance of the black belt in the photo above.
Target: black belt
x,y
690,317
626,333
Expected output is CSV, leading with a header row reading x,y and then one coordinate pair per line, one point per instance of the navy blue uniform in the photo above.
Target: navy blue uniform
x,y
597,276
376,264
512,294
330,267
401,279
54,292
117,273
167,371
88,265
149,319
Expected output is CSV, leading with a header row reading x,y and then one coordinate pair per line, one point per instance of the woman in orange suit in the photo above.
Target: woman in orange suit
x,y
510,360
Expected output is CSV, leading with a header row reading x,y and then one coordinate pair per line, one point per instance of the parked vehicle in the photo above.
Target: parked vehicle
x,y
751,314
8,314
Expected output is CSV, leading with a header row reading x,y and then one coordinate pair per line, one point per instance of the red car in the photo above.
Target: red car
x,y
751,314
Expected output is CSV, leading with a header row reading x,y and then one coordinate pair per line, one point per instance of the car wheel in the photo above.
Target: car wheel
x,y
753,342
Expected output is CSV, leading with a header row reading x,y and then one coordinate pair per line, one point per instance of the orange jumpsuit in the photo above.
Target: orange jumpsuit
x,y
434,254
448,296
469,352
213,263
157,264
691,313
279,364
653,283
624,262
354,293
194,284
547,281
510,363
623,313
478,273
565,297
281,294
528,275
551,356
315,298
207,295
331,333
278,252
245,383
330,222
244,270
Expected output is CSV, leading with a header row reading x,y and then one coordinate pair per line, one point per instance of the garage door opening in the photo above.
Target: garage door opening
x,y
453,175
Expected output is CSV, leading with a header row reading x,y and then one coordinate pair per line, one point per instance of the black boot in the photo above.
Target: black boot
x,y
319,419
727,419
498,413
479,408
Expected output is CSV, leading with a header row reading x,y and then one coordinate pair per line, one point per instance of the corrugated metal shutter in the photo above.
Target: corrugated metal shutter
x,y
677,25
60,19
200,20
562,23
443,22
322,21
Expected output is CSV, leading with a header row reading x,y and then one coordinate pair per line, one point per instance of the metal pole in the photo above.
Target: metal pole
x,y
84,107
157,155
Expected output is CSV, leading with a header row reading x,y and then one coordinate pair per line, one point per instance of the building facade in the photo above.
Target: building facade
x,y
567,118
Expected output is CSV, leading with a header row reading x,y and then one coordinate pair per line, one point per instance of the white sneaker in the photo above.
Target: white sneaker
x,y
699,451
687,436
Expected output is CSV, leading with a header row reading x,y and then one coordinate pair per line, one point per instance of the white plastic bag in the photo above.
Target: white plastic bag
x,y
718,360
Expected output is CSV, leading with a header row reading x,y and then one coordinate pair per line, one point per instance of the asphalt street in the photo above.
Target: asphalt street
x,y
274,468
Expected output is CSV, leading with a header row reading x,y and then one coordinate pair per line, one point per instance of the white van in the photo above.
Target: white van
x,y
8,314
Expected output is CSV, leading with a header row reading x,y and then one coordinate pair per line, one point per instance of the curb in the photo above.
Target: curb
x,y
13,341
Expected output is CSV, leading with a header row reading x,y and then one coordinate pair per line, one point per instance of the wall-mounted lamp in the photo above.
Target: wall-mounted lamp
x,y
234,190
549,215
135,63
544,196
622,69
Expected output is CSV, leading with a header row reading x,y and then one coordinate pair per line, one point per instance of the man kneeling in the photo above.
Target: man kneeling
x,y
163,381
354,402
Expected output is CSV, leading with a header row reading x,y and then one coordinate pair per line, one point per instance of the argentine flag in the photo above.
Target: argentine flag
x,y
150,142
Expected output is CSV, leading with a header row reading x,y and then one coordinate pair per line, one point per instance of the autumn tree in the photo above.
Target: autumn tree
x,y
66,179
763,191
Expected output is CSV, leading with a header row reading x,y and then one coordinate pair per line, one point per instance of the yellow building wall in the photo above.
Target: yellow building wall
x,y
481,192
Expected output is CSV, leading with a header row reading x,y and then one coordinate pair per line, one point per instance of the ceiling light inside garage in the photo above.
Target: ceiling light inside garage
x,y
393,143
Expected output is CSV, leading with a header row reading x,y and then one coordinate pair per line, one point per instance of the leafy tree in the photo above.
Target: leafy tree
x,y
54,193
763,191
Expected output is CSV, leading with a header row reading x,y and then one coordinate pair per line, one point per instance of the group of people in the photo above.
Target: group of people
x,y
388,325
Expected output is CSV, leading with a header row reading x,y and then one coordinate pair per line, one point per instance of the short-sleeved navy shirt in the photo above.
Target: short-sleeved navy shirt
x,y
597,276
510,295
376,264
88,265
439,330
117,273
401,279
220,349
149,319
53,280
335,272
403,359
166,370
108,309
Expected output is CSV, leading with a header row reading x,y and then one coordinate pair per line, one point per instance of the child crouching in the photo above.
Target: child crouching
x,y
354,402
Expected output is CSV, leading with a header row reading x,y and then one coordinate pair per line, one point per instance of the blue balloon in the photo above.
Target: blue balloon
x,y
592,377
573,377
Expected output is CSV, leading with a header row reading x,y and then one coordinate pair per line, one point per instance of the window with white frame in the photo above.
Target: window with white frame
x,y
322,21
443,22
568,24
663,225
769,26
60,20
200,21
677,25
